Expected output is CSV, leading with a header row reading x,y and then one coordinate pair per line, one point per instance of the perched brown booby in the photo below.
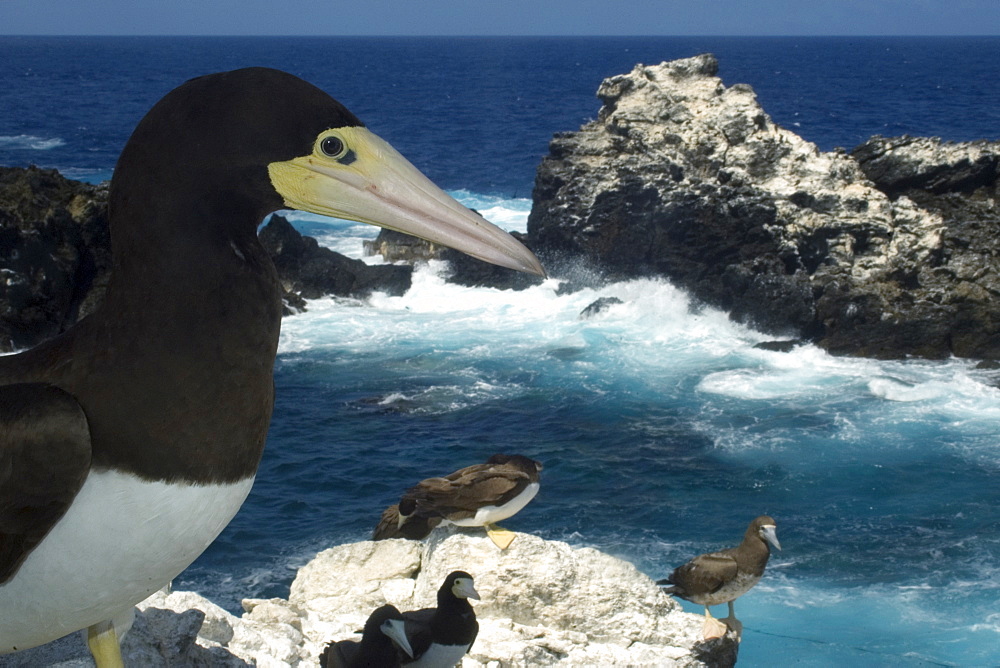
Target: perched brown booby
x,y
441,636
724,576
383,644
128,442
477,495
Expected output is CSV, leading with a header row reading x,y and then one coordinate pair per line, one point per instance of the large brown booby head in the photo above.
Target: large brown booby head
x,y
239,145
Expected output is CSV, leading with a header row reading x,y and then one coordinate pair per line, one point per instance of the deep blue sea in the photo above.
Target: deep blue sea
x,y
663,431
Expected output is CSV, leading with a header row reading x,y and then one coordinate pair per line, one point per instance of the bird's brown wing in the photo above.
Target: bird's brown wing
x,y
462,497
416,527
44,459
704,574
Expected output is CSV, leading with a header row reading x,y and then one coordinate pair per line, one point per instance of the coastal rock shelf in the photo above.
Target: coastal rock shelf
x,y
887,252
543,603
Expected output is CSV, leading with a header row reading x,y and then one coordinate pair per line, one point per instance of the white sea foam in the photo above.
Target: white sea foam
x,y
654,341
29,142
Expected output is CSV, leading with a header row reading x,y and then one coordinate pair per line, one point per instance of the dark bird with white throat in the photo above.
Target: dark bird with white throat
x,y
441,636
383,644
128,442
722,577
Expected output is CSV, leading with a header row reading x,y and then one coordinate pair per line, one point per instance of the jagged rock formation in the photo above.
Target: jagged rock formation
x,y
309,271
543,603
685,178
55,253
55,258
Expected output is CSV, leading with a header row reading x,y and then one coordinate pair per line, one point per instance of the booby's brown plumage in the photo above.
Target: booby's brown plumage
x,y
722,577
128,442
477,495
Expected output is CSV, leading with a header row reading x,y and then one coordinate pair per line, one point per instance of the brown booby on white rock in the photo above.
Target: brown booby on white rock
x,y
722,577
477,495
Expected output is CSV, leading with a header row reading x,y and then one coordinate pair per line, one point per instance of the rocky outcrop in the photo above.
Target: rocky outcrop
x,y
55,258
309,271
55,253
543,603
685,178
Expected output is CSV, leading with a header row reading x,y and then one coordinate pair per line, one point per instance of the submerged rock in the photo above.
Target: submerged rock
x,y
543,603
685,178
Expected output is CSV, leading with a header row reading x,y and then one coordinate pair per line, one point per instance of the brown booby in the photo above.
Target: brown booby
x,y
474,496
722,577
383,644
441,636
128,442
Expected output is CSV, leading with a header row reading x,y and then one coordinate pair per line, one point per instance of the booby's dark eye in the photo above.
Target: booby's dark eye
x,y
333,147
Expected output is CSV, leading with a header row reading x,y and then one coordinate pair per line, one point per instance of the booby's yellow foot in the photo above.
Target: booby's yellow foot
x,y
713,628
103,643
501,537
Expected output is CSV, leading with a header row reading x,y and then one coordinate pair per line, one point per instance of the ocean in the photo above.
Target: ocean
x,y
662,429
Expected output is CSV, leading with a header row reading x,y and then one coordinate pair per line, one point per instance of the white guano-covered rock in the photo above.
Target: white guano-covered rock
x,y
543,603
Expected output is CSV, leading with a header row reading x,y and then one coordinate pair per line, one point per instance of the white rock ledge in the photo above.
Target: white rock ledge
x,y
543,603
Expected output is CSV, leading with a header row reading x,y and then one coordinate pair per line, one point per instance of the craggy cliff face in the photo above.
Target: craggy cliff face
x,y
684,178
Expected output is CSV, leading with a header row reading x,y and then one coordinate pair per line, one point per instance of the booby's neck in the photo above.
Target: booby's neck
x,y
754,552
177,381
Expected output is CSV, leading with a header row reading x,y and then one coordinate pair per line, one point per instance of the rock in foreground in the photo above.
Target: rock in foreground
x,y
543,603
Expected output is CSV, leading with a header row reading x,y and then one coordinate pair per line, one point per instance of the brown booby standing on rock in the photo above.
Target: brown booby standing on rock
x,y
129,442
474,496
383,644
441,636
724,576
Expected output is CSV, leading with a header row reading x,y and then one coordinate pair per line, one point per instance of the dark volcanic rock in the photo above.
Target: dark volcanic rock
x,y
685,178
464,270
55,254
905,165
396,246
55,258
309,270
599,306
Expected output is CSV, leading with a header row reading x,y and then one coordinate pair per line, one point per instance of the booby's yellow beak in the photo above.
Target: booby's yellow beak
x,y
355,175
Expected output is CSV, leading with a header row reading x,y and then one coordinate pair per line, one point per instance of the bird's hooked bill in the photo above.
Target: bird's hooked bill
x,y
354,174
770,535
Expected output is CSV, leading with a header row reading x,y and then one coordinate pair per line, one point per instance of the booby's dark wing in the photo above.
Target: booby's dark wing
x,y
44,459
417,624
414,528
338,654
705,574
462,496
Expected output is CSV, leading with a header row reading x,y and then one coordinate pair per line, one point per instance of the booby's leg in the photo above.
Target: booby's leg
x,y
103,643
733,623
713,628
501,537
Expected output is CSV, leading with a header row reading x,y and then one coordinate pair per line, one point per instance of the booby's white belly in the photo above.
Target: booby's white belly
x,y
493,514
440,655
121,540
